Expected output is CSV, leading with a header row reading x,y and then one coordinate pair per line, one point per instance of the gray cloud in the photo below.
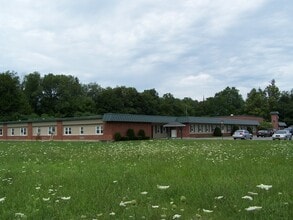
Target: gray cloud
x,y
188,48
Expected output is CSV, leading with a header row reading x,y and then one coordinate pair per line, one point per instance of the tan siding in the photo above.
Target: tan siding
x,y
16,128
44,124
87,129
82,122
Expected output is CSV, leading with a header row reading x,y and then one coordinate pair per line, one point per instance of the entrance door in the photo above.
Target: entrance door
x,y
174,133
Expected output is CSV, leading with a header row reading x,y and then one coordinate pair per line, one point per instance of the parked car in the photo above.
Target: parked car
x,y
242,134
264,133
290,129
282,135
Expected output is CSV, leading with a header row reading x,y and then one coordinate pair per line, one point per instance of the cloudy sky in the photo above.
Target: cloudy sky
x,y
189,48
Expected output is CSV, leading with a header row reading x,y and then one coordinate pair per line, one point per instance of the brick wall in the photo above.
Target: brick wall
x,y
110,128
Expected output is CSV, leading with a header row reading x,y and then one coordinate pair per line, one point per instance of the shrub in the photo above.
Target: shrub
x,y
117,136
217,132
265,126
141,134
130,134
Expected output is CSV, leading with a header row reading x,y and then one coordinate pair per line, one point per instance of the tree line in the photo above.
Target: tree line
x,y
52,95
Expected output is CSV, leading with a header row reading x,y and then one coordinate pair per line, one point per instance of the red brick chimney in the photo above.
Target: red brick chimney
x,y
275,120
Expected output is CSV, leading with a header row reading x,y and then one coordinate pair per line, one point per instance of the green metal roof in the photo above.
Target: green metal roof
x,y
167,119
40,120
113,117
137,118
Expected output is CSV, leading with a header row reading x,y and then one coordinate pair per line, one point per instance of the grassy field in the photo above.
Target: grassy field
x,y
166,179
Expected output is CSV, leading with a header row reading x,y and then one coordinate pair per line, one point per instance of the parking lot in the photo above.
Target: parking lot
x,y
231,138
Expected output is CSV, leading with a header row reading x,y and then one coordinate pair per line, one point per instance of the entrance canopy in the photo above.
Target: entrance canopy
x,y
174,124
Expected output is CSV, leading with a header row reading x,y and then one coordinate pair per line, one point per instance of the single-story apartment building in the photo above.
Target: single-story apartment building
x,y
104,127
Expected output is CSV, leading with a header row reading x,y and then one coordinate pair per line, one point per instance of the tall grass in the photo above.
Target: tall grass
x,y
169,179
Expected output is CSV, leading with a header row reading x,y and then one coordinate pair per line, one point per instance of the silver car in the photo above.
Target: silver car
x,y
282,135
242,134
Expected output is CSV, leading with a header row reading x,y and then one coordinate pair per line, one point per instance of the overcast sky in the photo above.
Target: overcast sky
x,y
189,48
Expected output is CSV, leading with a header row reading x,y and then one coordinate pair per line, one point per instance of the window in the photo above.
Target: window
x,y
192,128
200,128
51,130
159,129
67,130
1,132
99,129
23,131
12,131
38,131
81,130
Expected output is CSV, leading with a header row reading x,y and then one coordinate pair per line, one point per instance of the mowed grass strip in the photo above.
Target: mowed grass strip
x,y
164,179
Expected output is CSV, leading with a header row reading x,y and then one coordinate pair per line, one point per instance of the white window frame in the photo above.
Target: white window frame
x,y
192,128
81,130
23,131
12,132
51,130
99,130
200,128
67,131
38,131
159,129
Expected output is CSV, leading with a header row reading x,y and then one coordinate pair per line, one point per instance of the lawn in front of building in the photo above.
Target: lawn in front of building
x,y
161,179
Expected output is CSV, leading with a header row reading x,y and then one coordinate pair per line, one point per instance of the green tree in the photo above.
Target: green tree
x,y
92,92
226,102
169,105
62,95
13,104
32,89
257,103
273,94
190,106
285,107
150,102
265,125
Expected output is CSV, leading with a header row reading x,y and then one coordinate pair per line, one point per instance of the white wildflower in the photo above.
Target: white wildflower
x,y
253,193
124,203
219,197
66,198
176,216
144,193
263,186
162,187
115,181
207,211
155,206
37,188
252,208
182,198
19,214
46,199
2,199
247,197
112,213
